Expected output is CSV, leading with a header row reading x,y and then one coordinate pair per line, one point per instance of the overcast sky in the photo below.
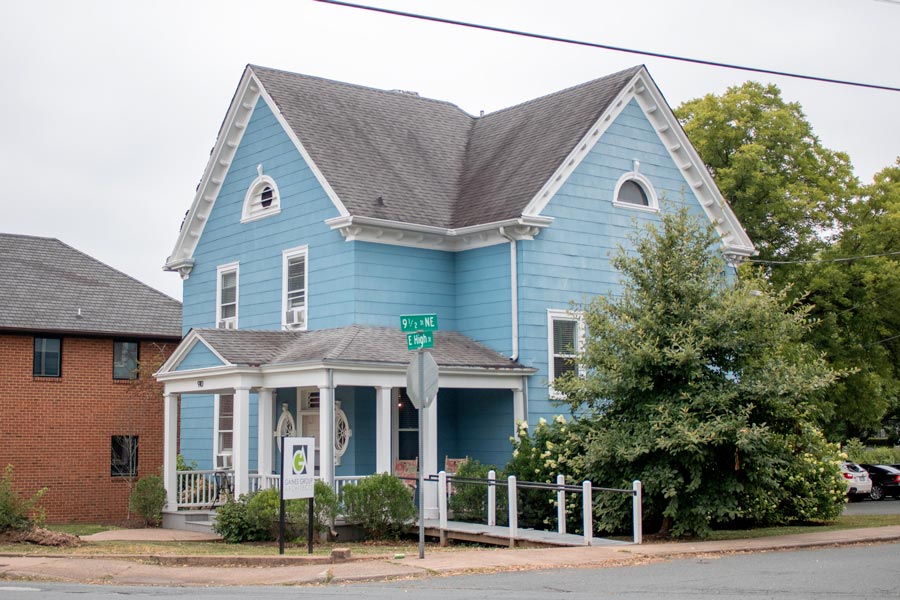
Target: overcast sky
x,y
110,108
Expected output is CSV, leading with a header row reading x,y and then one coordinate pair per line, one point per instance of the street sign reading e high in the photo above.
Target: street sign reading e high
x,y
411,323
419,340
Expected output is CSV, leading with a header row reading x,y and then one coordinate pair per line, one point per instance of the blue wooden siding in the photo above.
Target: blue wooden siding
x,y
197,430
257,246
359,405
199,357
396,280
483,296
570,260
477,424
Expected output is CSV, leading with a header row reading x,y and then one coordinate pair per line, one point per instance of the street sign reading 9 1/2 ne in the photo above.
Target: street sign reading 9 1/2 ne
x,y
412,323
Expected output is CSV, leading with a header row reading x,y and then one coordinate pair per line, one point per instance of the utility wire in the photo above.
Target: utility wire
x,y
819,260
553,38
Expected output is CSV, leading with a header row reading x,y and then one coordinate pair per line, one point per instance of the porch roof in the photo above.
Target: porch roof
x,y
356,343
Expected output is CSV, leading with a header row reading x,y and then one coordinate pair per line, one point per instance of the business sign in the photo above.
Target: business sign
x,y
298,467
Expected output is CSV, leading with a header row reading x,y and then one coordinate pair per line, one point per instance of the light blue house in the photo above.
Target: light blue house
x,y
327,210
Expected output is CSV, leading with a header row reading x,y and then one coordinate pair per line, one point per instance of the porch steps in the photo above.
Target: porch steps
x,y
190,520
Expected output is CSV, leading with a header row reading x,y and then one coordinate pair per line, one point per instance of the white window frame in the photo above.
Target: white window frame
x,y
220,271
644,183
562,315
286,257
253,209
217,450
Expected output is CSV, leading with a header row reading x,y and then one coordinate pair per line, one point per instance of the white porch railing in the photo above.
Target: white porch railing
x,y
209,488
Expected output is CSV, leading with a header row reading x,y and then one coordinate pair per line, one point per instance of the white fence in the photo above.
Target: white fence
x,y
586,489
208,489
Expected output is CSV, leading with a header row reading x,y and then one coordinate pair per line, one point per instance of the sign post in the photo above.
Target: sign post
x,y
298,455
421,387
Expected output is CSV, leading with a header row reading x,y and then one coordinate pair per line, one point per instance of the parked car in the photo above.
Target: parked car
x,y
885,481
859,485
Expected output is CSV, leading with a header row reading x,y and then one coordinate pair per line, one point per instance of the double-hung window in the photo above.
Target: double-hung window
x,y
47,357
224,430
227,296
564,343
124,458
294,286
125,360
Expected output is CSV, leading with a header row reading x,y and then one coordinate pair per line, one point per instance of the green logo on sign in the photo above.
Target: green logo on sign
x,y
299,462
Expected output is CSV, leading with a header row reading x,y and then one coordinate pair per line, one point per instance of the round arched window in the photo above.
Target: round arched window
x,y
634,190
632,193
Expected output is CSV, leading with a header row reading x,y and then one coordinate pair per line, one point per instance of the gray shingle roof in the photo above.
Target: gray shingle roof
x,y
356,343
429,161
44,282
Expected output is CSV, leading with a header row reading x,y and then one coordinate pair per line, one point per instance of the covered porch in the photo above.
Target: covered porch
x,y
346,388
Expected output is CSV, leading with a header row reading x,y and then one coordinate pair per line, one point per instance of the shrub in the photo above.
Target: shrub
x,y
469,500
554,448
16,512
859,453
382,504
256,517
236,524
148,499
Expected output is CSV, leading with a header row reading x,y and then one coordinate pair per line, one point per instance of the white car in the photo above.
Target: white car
x,y
859,484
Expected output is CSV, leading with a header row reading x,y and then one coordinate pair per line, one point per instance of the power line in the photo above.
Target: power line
x,y
819,260
552,38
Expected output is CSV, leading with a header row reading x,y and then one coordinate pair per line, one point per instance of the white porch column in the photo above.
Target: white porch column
x,y
170,449
266,414
383,430
241,441
326,431
429,461
519,406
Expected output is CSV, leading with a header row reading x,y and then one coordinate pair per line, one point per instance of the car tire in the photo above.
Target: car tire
x,y
877,492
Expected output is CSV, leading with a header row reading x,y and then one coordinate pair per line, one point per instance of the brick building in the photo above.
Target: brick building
x,y
79,412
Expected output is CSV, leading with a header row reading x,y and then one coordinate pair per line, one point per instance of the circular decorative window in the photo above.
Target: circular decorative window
x,y
286,425
342,433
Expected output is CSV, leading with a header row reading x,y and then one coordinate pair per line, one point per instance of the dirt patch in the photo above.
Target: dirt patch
x,y
41,537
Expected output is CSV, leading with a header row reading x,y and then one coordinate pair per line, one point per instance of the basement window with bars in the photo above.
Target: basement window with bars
x,y
124,456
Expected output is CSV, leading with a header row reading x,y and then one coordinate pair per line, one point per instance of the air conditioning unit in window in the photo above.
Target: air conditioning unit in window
x,y
229,323
223,461
295,318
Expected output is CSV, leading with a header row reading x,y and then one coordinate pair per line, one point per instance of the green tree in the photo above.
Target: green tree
x,y
788,190
854,300
703,390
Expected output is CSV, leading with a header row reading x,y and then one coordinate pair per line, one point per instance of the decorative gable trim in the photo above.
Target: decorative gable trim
x,y
651,101
183,350
249,91
397,233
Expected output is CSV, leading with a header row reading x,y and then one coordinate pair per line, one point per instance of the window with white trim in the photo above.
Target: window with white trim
x,y
262,198
227,296
224,430
634,190
294,285
564,329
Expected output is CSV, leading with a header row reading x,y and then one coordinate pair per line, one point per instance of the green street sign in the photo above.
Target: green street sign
x,y
410,323
419,340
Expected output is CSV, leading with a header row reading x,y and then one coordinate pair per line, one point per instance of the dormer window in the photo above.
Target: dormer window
x,y
262,198
634,190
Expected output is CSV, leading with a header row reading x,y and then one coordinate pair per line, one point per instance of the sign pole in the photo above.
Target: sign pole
x,y
281,504
421,460
309,530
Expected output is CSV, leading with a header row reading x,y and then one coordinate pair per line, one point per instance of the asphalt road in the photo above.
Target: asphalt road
x,y
888,506
857,572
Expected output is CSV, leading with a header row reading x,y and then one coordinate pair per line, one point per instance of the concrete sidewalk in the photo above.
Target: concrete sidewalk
x,y
298,570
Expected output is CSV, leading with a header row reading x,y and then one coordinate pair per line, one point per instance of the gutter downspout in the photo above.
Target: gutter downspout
x,y
514,287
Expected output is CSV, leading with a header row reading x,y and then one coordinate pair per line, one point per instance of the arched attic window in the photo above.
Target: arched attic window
x,y
262,199
633,190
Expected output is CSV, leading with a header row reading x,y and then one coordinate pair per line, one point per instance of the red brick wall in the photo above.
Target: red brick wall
x,y
56,432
